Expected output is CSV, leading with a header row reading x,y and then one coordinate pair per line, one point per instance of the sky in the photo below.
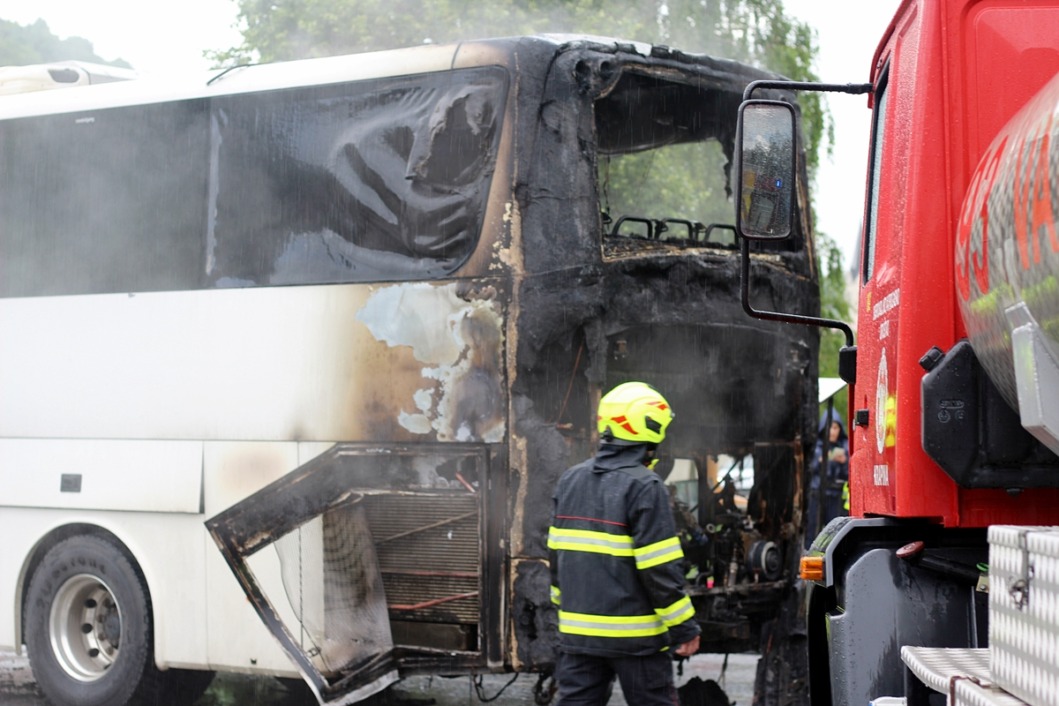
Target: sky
x,y
159,37
848,32
151,35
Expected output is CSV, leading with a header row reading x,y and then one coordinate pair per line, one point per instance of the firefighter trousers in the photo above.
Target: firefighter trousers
x,y
587,680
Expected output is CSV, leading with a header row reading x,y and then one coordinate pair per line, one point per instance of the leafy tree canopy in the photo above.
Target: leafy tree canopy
x,y
833,305
35,44
755,31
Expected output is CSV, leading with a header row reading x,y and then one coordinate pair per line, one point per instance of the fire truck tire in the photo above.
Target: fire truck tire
x,y
88,626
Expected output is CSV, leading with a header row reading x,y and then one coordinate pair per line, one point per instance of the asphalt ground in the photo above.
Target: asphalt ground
x,y
17,687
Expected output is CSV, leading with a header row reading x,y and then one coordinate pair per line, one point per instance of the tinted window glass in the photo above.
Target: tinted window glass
x,y
878,140
376,180
108,201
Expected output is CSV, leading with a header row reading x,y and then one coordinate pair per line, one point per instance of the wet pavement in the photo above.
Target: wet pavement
x,y
17,687
738,682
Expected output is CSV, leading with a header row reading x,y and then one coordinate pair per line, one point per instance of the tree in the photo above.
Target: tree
x,y
755,31
35,44
833,305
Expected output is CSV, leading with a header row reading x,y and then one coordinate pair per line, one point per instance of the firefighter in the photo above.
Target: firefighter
x,y
616,562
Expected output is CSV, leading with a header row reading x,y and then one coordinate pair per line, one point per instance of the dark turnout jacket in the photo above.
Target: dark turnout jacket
x,y
616,560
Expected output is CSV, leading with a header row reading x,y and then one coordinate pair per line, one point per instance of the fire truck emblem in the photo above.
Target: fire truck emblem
x,y
881,395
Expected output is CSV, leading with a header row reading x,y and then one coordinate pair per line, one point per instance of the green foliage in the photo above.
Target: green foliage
x,y
35,44
739,29
833,305
674,181
754,31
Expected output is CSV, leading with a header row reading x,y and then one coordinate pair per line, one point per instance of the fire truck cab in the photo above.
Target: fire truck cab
x,y
954,397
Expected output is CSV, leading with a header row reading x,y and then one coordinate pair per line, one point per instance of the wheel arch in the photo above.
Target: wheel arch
x,y
871,601
52,538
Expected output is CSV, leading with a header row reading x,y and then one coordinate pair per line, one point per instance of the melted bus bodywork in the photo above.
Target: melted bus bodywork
x,y
392,297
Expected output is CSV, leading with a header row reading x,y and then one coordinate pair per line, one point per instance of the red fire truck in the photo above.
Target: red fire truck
x,y
945,576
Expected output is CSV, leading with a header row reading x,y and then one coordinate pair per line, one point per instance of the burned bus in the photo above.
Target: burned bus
x,y
323,334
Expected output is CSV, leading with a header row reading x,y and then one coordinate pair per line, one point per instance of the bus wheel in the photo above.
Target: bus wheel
x,y
88,626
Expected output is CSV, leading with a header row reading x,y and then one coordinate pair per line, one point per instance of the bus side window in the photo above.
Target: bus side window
x,y
104,201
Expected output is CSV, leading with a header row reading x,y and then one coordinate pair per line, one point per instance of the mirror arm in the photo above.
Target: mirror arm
x,y
848,354
848,368
854,88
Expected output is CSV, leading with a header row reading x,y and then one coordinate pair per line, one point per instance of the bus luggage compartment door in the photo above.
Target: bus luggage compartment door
x,y
379,552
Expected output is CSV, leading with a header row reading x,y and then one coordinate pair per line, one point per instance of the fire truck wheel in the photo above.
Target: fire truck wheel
x,y
88,626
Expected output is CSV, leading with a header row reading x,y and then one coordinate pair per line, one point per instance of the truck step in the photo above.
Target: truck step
x,y
961,674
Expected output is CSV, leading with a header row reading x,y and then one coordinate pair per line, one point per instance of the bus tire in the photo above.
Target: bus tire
x,y
88,626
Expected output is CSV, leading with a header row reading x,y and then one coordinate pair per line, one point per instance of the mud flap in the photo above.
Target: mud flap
x,y
303,550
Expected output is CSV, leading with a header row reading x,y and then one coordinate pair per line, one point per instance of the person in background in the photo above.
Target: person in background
x,y
828,475
616,571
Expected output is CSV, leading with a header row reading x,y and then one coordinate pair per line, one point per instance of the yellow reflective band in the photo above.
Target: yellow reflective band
x,y
610,625
588,541
677,613
556,594
658,553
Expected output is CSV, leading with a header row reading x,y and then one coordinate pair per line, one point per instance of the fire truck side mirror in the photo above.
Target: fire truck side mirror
x,y
767,163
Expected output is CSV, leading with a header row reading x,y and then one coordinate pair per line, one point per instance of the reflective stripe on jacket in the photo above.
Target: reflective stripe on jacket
x,y
616,559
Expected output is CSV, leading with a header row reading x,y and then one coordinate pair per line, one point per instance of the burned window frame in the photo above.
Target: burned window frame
x,y
375,194
704,128
627,233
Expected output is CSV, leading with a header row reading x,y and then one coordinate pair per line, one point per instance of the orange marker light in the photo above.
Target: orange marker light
x,y
812,568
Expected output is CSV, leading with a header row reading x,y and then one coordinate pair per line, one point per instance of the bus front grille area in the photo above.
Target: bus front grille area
x,y
364,555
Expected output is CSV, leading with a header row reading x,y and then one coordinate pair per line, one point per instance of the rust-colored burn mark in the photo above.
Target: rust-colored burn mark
x,y
458,341
431,603
433,525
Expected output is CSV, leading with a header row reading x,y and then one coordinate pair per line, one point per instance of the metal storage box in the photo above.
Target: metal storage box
x,y
967,693
1024,612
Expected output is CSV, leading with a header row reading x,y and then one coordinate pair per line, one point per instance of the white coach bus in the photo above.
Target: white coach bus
x,y
292,355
